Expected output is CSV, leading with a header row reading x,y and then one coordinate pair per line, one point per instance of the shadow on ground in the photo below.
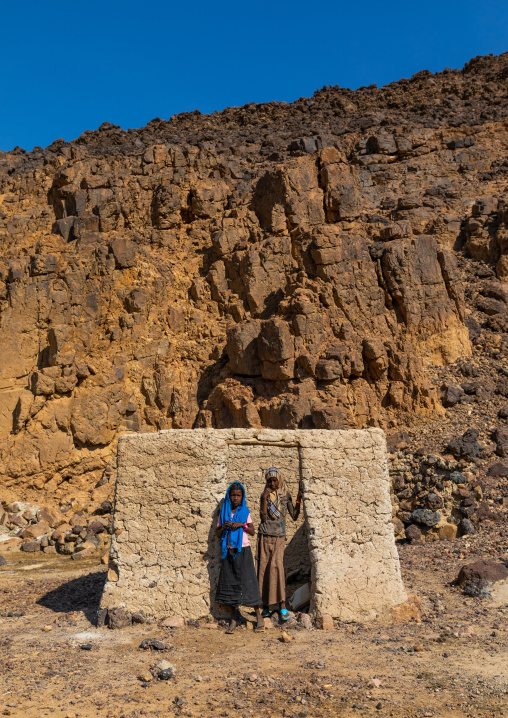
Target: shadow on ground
x,y
80,594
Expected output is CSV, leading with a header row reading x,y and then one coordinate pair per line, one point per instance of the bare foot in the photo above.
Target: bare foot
x,y
231,627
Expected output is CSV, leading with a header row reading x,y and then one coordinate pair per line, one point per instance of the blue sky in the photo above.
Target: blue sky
x,y
68,67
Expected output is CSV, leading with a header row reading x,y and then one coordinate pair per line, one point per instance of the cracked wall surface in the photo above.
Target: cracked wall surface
x,y
355,565
164,555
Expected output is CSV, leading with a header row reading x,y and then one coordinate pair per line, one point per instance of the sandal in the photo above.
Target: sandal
x,y
259,629
284,614
266,613
231,629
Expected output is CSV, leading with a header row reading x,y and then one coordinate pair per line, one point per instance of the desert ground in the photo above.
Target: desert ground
x,y
56,662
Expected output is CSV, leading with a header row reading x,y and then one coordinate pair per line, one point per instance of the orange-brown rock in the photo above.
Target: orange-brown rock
x,y
410,610
35,530
280,265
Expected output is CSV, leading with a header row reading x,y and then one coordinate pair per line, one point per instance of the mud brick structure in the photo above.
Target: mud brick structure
x,y
165,558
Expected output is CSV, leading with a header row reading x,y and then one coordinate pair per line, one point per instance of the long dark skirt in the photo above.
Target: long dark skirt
x,y
238,583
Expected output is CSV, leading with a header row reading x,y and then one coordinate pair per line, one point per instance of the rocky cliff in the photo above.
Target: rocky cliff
x,y
304,265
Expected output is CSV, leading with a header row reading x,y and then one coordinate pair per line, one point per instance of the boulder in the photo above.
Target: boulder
x,y
30,546
434,501
425,517
36,530
484,570
413,533
124,252
458,477
447,532
500,436
451,394
466,527
118,618
51,516
467,446
498,470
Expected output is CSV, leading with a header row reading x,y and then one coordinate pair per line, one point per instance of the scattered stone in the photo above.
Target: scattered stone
x,y
66,549
451,394
305,620
467,446
12,544
173,622
105,508
79,555
17,507
3,562
30,546
96,527
324,623
466,528
285,638
425,517
138,617
503,411
167,673
477,589
413,533
458,478
498,470
434,501
47,628
154,644
145,676
86,646
166,666
397,441
410,610
482,570
447,532
35,531
52,517
118,618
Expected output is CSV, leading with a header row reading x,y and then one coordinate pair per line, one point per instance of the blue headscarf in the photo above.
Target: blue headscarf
x,y
241,515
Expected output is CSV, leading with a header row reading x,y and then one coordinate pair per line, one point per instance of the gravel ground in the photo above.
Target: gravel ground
x,y
57,663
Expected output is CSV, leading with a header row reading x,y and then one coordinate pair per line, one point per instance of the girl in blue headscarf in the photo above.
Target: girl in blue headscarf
x,y
238,584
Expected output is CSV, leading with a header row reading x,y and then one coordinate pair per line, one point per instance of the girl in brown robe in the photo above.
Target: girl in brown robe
x,y
275,504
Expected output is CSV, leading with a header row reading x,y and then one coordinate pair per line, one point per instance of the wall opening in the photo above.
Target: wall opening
x,y
247,463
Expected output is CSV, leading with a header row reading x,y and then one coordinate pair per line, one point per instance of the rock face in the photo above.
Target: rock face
x,y
165,560
276,265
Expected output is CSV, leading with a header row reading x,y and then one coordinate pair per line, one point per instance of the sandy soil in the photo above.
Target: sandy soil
x,y
454,663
